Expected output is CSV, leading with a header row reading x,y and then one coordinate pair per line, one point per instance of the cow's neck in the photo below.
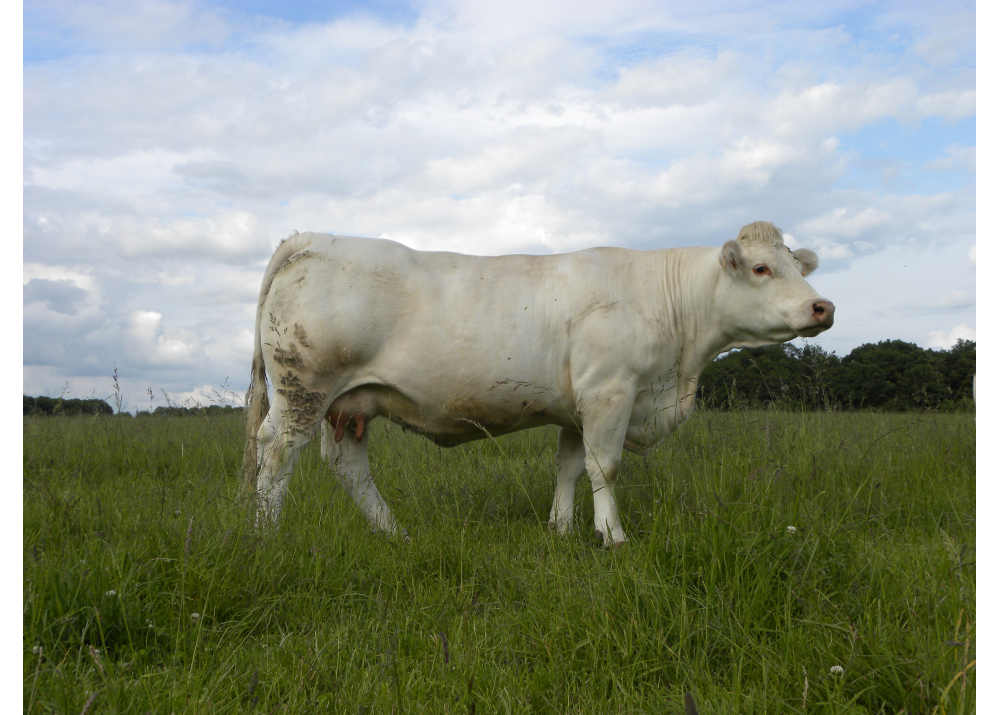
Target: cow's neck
x,y
691,329
690,339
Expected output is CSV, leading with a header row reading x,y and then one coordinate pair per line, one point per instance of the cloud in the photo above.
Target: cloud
x,y
943,340
685,79
146,345
58,296
60,274
960,157
232,350
61,306
953,37
206,395
956,299
863,222
227,234
222,286
843,222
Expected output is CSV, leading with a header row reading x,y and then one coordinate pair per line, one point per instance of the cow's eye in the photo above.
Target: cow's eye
x,y
761,270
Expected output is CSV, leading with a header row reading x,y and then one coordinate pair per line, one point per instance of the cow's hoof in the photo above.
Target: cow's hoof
x,y
394,533
609,545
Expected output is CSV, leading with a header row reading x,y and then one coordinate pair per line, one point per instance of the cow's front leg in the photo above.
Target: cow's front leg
x,y
603,437
569,469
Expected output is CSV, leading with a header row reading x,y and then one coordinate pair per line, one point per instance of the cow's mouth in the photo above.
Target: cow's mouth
x,y
812,331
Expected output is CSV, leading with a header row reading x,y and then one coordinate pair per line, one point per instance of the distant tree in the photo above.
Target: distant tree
x,y
775,374
958,365
891,375
814,366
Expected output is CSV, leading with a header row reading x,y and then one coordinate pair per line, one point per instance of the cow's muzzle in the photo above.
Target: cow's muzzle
x,y
820,318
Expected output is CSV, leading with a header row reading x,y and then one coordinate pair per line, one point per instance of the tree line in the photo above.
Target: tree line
x,y
62,406
888,375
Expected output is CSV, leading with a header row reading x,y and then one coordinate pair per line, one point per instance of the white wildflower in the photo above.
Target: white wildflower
x,y
111,594
836,670
37,650
195,616
790,529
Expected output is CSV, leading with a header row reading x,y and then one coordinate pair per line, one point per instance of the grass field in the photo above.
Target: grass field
x,y
147,589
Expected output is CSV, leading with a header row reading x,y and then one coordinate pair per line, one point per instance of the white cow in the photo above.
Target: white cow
x,y
607,343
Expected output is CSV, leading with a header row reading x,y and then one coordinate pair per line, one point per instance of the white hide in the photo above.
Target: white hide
x,y
607,343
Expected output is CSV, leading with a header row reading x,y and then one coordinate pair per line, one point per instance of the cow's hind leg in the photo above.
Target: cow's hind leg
x,y
569,468
279,441
347,455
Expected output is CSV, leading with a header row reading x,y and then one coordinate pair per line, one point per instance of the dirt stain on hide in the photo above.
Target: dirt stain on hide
x,y
289,358
343,356
304,405
300,335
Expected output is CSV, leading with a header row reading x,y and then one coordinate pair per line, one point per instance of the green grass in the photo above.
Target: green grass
x,y
484,609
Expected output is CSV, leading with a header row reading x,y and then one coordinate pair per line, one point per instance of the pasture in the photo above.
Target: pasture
x,y
146,588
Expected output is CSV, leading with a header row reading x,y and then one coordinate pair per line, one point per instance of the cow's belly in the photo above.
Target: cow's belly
x,y
448,418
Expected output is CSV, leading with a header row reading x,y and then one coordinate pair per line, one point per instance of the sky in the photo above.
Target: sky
x,y
169,146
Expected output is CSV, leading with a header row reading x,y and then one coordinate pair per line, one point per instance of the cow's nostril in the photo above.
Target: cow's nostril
x,y
822,313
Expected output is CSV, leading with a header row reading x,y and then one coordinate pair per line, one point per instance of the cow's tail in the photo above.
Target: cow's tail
x,y
256,400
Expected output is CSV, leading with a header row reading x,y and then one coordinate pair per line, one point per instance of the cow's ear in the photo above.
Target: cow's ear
x,y
808,259
731,257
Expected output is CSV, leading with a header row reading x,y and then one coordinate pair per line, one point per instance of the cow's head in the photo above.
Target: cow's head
x,y
765,296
